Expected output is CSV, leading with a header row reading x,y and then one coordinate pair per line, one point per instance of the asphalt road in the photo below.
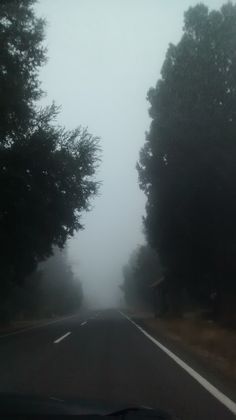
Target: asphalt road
x,y
102,356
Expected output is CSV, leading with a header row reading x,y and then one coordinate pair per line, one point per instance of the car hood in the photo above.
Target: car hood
x,y
17,404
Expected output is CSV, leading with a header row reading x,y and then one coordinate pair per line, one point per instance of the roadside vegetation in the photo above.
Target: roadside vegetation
x,y
140,274
46,172
188,173
52,290
187,168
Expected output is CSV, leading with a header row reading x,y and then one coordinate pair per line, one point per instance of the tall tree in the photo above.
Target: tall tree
x,y
51,290
46,181
61,291
46,172
141,271
187,165
22,53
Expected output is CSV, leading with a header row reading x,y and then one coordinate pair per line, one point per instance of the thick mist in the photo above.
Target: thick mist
x,y
103,57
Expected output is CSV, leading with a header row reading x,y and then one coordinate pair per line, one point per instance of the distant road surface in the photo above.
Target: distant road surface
x,y
102,356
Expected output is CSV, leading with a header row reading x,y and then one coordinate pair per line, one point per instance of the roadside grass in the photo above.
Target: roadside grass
x,y
212,342
20,325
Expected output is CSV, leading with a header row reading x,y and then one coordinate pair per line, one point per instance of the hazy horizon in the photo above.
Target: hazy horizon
x,y
103,56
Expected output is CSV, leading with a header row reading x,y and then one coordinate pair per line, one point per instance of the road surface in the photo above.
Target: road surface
x,y
102,356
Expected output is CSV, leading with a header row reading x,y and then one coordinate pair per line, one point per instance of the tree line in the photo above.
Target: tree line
x,y
140,274
187,165
49,291
46,172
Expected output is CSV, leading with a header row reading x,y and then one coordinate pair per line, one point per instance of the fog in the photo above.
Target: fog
x,y
104,55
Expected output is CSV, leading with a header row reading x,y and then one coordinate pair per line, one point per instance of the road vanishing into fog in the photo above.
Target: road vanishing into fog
x,y
101,356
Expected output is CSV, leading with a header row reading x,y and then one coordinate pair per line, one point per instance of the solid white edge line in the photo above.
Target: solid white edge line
x,y
62,338
226,401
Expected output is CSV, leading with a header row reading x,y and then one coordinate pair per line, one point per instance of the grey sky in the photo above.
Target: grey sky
x,y
103,57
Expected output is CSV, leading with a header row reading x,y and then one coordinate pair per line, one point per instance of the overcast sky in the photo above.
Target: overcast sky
x,y
103,57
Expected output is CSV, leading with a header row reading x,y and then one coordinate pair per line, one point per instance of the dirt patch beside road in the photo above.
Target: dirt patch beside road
x,y
21,325
206,346
212,342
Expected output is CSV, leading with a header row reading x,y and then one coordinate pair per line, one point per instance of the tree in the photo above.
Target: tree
x,y
141,271
51,290
61,291
187,165
46,172
46,180
22,53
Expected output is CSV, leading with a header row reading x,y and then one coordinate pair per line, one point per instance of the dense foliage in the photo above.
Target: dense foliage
x,y
140,273
22,53
46,172
187,165
52,290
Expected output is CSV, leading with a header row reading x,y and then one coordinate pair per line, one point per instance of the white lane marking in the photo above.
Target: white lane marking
x,y
62,338
231,405
43,324
83,323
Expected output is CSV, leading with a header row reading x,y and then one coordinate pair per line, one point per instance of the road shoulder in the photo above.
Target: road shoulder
x,y
199,361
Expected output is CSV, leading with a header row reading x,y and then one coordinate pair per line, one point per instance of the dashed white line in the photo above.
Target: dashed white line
x,y
62,338
226,401
83,323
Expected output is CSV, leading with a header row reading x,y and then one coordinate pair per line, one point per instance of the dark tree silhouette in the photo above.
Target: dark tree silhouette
x,y
51,290
22,53
141,271
61,291
46,180
187,165
46,172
